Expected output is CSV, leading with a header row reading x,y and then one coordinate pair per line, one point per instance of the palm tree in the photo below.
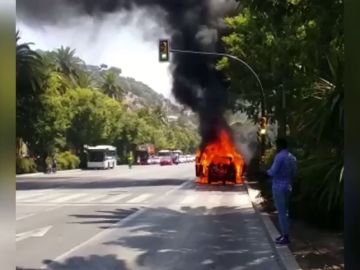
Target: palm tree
x,y
28,67
320,127
68,64
111,87
85,80
29,79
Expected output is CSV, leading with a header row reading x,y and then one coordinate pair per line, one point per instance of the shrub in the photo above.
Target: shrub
x,y
25,165
67,160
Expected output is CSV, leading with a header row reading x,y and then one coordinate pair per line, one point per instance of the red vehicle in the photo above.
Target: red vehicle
x,y
166,161
166,157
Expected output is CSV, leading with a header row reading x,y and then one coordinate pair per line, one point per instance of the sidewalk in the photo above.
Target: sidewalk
x,y
41,173
284,254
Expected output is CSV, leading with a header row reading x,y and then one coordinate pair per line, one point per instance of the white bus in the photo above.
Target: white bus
x,y
101,157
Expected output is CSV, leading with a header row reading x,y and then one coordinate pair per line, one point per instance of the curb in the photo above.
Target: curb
x,y
38,174
284,254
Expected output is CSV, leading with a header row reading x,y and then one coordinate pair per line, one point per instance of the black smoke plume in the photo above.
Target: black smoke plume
x,y
193,24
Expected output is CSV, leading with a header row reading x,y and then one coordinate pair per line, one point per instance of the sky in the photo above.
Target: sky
x,y
129,42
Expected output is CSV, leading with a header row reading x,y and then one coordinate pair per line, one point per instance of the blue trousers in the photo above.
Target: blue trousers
x,y
281,197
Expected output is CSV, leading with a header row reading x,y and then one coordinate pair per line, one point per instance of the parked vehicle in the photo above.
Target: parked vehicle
x,y
166,157
144,152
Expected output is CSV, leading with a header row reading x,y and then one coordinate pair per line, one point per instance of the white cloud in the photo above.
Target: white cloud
x,y
133,46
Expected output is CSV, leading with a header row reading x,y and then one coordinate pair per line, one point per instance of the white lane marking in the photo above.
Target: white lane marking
x,y
188,199
107,231
242,200
140,198
115,198
39,212
69,197
214,200
91,198
95,237
27,196
40,232
25,216
44,198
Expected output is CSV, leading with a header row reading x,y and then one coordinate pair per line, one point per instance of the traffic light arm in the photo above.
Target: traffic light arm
x,y
263,103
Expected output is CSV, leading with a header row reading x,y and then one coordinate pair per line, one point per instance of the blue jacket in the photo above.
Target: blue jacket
x,y
283,169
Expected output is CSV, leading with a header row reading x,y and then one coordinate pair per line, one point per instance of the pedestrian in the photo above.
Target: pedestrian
x,y
282,173
130,160
54,164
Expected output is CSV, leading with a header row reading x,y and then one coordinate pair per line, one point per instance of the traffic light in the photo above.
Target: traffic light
x,y
262,126
164,50
262,135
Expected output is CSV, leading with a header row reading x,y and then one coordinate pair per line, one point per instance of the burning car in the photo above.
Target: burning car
x,y
220,162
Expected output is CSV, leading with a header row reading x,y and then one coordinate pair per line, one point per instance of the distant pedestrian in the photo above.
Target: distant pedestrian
x,y
130,160
54,164
282,171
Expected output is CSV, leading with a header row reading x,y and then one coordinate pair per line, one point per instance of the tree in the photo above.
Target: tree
x,y
96,119
68,64
297,49
29,82
110,85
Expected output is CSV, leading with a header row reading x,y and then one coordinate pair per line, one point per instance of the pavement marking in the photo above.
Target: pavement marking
x,y
91,198
23,195
112,228
188,199
40,232
214,200
95,237
43,198
140,198
242,200
69,197
25,216
39,212
115,198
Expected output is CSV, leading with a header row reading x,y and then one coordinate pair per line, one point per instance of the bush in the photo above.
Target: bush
x,y
25,165
67,161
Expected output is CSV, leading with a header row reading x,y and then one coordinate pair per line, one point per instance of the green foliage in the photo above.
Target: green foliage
x,y
77,106
25,165
110,85
297,48
29,78
67,161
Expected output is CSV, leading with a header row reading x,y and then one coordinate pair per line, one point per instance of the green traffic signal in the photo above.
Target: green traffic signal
x,y
164,50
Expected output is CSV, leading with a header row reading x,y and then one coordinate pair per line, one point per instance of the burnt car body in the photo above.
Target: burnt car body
x,y
222,168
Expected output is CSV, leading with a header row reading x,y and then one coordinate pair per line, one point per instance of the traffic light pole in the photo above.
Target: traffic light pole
x,y
262,101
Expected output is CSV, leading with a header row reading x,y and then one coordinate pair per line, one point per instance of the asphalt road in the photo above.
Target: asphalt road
x,y
150,217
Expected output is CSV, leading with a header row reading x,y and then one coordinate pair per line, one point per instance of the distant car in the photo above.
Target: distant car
x,y
155,160
183,159
166,160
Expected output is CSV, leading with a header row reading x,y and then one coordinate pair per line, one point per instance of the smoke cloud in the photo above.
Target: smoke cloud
x,y
192,24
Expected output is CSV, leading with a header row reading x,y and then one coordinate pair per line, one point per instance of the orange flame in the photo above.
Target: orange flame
x,y
222,151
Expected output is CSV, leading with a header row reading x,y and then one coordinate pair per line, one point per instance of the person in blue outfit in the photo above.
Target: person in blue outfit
x,y
282,172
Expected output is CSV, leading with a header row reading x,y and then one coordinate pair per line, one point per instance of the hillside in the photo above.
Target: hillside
x,y
140,95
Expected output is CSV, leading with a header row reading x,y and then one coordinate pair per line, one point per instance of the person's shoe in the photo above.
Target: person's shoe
x,y
283,241
278,238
